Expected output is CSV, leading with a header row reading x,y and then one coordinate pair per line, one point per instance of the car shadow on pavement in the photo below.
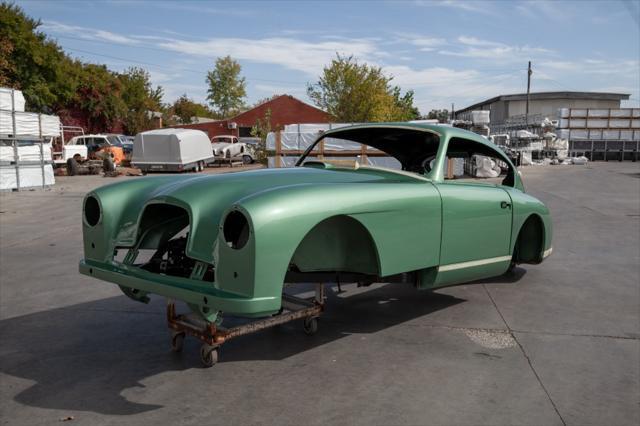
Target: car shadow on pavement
x,y
509,278
84,357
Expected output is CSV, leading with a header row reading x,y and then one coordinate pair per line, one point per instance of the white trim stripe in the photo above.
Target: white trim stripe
x,y
472,263
547,252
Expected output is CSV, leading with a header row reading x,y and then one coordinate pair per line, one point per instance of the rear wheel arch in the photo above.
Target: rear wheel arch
x,y
340,243
529,244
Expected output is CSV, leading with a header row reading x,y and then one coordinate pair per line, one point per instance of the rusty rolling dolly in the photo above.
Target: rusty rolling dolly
x,y
213,334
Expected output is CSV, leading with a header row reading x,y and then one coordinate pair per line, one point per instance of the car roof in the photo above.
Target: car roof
x,y
440,130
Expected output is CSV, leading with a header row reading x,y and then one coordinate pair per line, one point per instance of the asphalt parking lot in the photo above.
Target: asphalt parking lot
x,y
557,343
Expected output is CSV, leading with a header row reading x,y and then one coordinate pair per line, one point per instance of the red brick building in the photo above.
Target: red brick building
x,y
285,109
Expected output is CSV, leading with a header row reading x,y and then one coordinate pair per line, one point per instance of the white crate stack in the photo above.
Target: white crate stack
x,y
25,154
599,124
601,133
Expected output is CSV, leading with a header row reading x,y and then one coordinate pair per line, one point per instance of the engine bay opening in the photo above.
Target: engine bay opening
x,y
162,242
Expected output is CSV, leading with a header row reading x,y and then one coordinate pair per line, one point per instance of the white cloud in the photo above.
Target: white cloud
x,y
428,41
298,91
624,69
427,44
204,7
408,77
465,6
472,47
173,90
463,83
290,53
159,77
473,41
87,33
560,65
542,9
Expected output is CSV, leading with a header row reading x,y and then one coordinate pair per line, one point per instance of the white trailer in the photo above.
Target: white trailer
x,y
171,150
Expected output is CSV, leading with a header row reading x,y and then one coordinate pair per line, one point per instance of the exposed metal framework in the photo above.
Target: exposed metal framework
x,y
212,334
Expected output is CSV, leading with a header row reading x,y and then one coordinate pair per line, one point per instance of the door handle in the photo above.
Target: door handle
x,y
505,205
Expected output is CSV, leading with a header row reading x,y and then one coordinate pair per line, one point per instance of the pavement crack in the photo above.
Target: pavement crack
x,y
596,336
526,356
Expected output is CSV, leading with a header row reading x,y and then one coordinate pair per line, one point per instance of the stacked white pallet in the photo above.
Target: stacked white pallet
x,y
25,157
477,118
599,124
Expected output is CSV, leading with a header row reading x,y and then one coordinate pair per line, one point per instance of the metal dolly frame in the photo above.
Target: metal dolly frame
x,y
213,334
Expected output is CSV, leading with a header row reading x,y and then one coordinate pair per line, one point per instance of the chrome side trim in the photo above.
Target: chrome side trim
x,y
472,263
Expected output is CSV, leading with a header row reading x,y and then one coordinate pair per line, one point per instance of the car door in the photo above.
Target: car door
x,y
476,222
476,215
234,147
93,144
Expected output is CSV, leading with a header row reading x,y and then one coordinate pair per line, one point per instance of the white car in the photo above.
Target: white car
x,y
226,147
85,145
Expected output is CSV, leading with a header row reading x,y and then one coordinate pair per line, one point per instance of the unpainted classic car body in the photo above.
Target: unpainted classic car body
x,y
229,147
227,243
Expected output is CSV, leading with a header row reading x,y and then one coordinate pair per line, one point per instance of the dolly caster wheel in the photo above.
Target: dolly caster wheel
x,y
208,355
310,325
177,341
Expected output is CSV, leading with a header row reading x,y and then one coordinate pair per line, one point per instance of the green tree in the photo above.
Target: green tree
x,y
53,82
442,115
185,108
29,61
355,92
227,89
139,97
99,97
7,66
404,110
261,129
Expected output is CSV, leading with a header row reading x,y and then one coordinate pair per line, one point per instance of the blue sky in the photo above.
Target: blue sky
x,y
445,51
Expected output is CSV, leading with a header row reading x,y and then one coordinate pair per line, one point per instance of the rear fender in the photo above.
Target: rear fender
x,y
525,207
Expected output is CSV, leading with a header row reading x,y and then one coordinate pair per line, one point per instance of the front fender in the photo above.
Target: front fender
x,y
403,220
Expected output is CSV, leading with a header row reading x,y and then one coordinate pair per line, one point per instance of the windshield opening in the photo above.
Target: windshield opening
x,y
407,148
114,140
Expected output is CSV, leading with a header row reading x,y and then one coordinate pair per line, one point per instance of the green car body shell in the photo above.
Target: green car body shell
x,y
369,221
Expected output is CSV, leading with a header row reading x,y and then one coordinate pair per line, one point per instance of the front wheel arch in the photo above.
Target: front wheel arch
x,y
529,245
323,247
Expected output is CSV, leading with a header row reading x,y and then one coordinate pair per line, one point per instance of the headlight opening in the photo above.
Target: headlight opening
x,y
236,230
92,211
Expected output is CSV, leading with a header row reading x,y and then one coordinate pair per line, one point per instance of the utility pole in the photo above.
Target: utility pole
x,y
453,116
529,72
